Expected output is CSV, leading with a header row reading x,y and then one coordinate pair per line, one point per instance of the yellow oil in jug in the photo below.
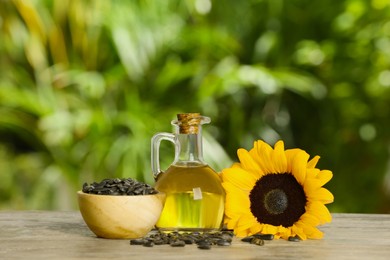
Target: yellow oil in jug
x,y
194,198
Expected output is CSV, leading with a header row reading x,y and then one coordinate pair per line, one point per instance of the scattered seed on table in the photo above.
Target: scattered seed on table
x,y
137,241
148,243
264,236
204,240
294,239
204,245
227,237
257,241
247,239
223,242
159,241
188,241
178,243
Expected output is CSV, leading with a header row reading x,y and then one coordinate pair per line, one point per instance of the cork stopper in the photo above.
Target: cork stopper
x,y
189,123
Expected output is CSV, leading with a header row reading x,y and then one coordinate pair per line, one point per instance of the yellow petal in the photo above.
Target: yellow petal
x,y
241,226
255,228
244,225
324,176
319,210
279,158
314,233
281,229
313,162
269,229
247,162
299,166
240,178
287,233
236,165
261,152
298,230
247,220
236,201
241,232
235,211
310,231
230,222
321,194
309,219
311,185
276,236
290,156
312,172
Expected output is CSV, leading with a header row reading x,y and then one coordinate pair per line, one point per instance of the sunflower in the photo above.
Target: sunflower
x,y
276,191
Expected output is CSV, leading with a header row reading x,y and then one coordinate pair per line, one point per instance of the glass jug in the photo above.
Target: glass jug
x,y
195,198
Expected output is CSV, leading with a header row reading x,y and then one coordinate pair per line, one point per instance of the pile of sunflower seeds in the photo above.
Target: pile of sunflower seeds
x,y
119,187
203,240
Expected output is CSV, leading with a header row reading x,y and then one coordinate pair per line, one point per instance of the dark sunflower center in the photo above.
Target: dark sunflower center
x,y
277,199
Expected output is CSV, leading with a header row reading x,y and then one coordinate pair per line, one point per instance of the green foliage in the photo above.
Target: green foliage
x,y
84,85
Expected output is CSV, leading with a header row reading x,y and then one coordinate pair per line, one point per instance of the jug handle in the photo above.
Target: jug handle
x,y
155,155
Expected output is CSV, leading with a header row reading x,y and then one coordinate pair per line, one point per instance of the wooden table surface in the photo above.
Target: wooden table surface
x,y
64,235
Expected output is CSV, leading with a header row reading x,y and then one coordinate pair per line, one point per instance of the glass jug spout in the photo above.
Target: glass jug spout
x,y
190,123
187,141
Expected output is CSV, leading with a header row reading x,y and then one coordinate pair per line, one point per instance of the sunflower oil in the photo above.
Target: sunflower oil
x,y
195,199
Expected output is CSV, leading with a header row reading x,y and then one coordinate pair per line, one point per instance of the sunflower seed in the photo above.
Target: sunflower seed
x,y
178,243
264,236
223,242
203,241
188,240
159,241
204,245
227,237
148,244
257,241
294,239
137,241
247,239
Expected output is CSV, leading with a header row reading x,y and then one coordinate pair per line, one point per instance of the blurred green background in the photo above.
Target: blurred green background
x,y
85,84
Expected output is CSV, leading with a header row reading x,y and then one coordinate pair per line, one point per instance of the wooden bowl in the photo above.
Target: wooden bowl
x,y
110,216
